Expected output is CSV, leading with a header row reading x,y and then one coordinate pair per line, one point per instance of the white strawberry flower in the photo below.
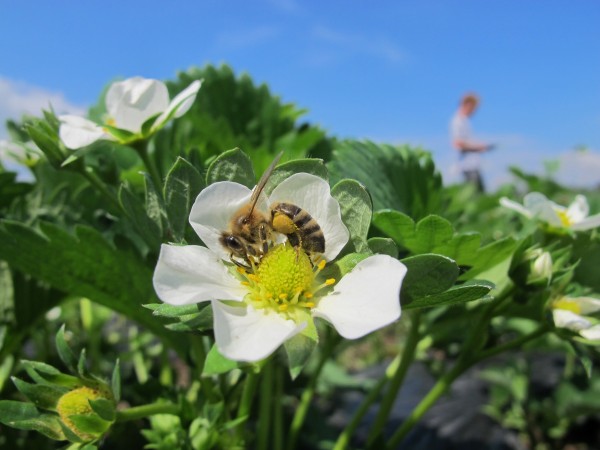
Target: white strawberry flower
x,y
573,313
256,312
129,105
538,207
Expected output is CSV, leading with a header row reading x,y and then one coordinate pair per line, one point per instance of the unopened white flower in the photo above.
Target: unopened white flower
x,y
573,313
537,206
129,105
257,311
541,268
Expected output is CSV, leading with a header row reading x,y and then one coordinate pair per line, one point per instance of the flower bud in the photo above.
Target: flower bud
x,y
76,404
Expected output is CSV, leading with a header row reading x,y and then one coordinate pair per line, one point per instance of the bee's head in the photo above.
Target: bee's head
x,y
234,244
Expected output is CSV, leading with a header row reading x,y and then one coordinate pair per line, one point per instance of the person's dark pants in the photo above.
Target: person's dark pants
x,y
473,176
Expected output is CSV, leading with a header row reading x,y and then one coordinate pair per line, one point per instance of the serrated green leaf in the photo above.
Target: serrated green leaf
x,y
432,232
342,266
472,290
397,225
427,275
25,416
42,396
64,351
216,363
85,265
232,165
357,210
136,212
383,246
104,408
182,186
289,168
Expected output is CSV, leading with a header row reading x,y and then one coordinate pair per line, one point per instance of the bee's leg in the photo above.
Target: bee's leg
x,y
246,265
264,239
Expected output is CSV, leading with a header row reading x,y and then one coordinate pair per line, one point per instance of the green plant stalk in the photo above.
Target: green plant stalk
x,y
141,147
397,378
265,408
250,385
199,357
278,410
139,412
444,383
308,393
100,186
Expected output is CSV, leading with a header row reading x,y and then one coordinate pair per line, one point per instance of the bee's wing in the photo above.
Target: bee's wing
x,y
262,182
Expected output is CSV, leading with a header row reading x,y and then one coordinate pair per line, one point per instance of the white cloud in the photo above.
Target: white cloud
x,y
18,98
377,46
579,168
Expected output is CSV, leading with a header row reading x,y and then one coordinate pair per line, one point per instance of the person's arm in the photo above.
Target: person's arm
x,y
465,146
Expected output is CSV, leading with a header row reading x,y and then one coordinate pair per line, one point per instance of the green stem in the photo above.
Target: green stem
x,y
245,406
308,394
101,187
397,378
139,412
199,356
427,402
444,383
265,407
278,410
141,147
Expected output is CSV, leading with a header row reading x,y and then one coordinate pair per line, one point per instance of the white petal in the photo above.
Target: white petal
x,y
592,333
245,334
543,209
366,299
587,305
213,209
133,101
180,104
587,224
191,274
313,194
515,207
77,132
569,320
578,210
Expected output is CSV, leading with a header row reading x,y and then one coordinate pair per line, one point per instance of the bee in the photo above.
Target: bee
x,y
301,229
250,231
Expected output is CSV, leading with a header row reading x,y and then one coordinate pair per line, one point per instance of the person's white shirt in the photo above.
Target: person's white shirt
x,y
460,130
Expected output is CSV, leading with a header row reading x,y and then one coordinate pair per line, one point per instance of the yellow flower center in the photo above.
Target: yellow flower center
x,y
567,305
284,280
564,218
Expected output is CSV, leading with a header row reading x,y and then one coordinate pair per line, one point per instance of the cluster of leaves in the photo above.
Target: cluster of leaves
x,y
90,226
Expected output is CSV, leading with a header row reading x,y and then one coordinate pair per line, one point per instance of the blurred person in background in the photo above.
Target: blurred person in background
x,y
469,149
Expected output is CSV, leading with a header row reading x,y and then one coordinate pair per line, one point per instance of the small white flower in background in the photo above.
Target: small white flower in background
x,y
255,312
129,105
573,313
537,206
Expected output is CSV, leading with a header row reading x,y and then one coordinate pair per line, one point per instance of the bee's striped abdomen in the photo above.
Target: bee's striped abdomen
x,y
305,231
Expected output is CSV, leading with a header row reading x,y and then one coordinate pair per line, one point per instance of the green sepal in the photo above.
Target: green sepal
x,y
64,351
182,185
201,320
105,408
287,169
90,424
174,311
217,364
467,292
81,364
115,381
41,395
232,165
46,374
427,274
70,434
357,210
46,138
301,346
148,123
120,134
383,246
25,416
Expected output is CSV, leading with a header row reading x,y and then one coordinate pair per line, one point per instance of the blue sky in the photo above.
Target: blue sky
x,y
384,70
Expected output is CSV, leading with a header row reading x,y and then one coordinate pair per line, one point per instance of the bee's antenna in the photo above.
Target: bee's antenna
x,y
262,182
